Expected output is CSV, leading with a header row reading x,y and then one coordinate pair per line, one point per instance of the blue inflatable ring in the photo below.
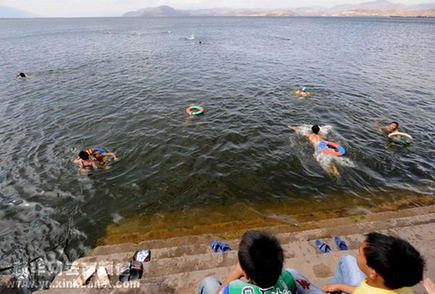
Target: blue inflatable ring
x,y
326,146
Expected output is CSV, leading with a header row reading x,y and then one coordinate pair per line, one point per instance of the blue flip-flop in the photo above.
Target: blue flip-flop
x,y
340,243
323,247
219,246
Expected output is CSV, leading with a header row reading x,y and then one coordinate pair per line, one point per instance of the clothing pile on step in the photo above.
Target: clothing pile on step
x,y
97,276
134,269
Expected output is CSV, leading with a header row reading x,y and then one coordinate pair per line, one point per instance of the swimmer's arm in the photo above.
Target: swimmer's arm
x,y
76,160
95,164
375,125
297,130
112,155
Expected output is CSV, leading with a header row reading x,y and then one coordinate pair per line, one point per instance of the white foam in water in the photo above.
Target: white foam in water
x,y
116,218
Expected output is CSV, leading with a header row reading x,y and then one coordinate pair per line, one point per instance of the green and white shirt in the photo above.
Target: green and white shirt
x,y
285,285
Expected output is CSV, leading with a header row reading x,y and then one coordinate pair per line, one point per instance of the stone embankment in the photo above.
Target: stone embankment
x,y
178,264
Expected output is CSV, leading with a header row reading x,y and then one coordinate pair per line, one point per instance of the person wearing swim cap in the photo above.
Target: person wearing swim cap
x,y
302,92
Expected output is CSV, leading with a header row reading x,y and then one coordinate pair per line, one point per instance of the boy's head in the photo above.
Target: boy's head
x,y
84,155
395,260
315,129
393,126
261,258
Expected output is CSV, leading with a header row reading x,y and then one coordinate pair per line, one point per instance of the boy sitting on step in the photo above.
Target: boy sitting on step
x,y
260,263
384,265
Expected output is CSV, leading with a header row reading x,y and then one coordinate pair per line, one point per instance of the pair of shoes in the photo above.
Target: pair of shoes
x,y
131,271
324,248
134,269
219,246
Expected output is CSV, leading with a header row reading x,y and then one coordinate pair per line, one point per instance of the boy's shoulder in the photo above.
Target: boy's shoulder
x,y
364,288
286,284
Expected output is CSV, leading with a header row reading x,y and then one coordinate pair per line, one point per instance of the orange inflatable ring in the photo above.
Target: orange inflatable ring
x,y
326,146
302,93
195,110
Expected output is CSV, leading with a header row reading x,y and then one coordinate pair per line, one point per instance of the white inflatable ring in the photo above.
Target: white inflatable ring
x,y
396,136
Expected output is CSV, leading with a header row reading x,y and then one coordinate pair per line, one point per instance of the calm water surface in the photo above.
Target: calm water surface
x,y
123,84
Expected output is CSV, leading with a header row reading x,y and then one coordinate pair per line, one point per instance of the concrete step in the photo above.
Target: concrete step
x,y
175,247
319,271
323,228
297,250
186,282
180,263
191,248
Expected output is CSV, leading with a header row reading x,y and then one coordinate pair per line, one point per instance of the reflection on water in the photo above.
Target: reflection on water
x,y
125,83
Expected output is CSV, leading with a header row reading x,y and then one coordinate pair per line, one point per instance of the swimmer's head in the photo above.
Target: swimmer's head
x,y
84,155
304,89
393,126
21,75
315,129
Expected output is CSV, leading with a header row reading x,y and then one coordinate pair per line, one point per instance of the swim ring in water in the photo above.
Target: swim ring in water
x,y
100,157
331,148
195,110
399,137
302,93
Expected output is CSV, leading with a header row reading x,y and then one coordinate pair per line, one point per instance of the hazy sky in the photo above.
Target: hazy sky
x,y
65,8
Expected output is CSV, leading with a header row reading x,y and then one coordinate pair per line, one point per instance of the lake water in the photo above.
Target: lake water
x,y
124,83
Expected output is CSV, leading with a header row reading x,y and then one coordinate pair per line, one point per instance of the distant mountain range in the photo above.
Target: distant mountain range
x,y
10,12
373,8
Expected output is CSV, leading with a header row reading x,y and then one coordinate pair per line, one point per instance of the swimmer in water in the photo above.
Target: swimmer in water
x,y
388,129
391,128
101,156
302,92
86,162
315,137
21,75
394,134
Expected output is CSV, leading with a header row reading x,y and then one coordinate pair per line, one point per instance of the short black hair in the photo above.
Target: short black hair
x,y
397,261
22,75
395,122
84,155
315,129
261,257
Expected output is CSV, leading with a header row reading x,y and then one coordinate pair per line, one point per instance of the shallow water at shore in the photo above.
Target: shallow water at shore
x,y
124,84
229,222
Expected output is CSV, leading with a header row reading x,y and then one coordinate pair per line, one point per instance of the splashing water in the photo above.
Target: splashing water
x,y
327,161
